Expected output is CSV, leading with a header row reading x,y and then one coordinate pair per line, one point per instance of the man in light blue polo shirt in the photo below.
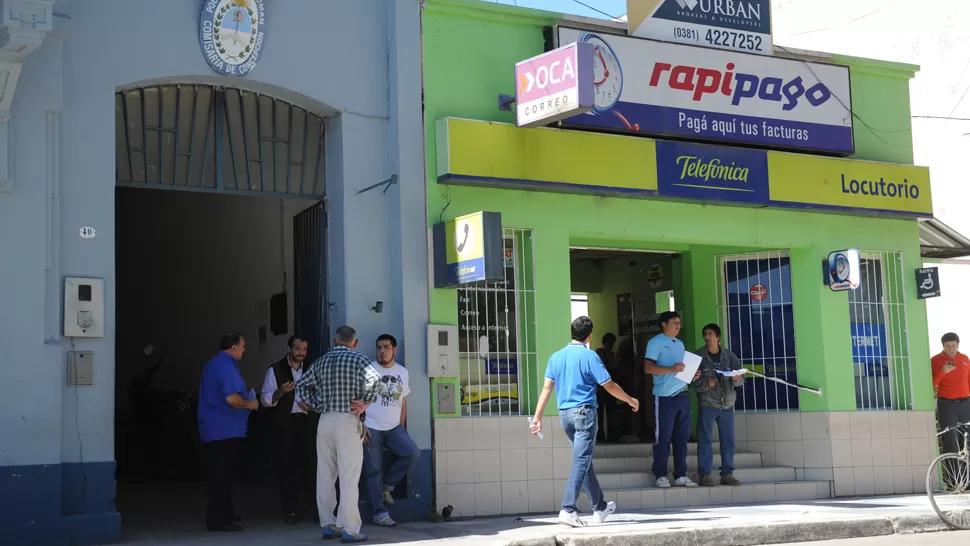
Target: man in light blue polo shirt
x,y
664,359
575,371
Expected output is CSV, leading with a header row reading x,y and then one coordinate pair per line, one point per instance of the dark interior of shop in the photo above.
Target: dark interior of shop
x,y
623,290
191,266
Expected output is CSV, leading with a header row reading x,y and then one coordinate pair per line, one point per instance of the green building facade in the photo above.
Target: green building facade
x,y
584,227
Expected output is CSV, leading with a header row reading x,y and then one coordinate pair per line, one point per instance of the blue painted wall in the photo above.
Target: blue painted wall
x,y
358,62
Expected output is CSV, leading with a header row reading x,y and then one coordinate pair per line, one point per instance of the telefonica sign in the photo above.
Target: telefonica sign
x,y
554,85
739,25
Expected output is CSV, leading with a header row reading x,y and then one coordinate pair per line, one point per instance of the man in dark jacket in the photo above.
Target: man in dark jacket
x,y
294,425
716,400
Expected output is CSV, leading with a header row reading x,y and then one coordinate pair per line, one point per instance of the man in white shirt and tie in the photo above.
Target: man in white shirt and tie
x,y
294,425
385,421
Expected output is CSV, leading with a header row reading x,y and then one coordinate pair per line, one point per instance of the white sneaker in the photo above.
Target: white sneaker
x,y
571,519
605,513
384,520
684,482
663,483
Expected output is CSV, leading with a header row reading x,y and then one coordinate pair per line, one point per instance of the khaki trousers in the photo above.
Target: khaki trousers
x,y
340,454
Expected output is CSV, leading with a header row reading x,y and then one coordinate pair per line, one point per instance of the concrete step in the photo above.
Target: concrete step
x,y
746,475
647,498
639,450
644,463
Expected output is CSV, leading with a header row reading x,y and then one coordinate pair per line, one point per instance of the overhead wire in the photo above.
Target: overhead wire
x,y
601,12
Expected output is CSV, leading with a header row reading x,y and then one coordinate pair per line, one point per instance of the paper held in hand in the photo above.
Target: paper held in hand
x,y
531,421
692,362
733,373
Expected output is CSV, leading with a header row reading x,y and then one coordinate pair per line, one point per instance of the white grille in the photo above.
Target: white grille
x,y
497,336
204,138
755,306
880,334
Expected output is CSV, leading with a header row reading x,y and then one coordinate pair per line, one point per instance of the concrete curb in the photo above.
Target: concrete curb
x,y
755,534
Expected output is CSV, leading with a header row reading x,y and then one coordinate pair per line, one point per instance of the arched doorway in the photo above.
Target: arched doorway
x,y
237,242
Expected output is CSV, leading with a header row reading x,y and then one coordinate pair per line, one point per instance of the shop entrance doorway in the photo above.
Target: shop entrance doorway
x,y
624,293
220,225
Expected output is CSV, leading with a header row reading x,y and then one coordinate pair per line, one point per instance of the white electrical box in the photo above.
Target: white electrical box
x,y
83,307
80,368
442,351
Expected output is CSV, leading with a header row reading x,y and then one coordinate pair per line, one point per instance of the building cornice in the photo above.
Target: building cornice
x,y
24,24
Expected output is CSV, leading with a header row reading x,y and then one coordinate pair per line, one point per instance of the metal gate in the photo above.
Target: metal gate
x,y
755,298
225,140
310,255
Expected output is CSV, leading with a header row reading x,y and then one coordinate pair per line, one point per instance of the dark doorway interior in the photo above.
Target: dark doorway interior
x,y
622,289
191,266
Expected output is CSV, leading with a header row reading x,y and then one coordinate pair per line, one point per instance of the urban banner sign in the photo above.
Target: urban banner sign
x,y
554,85
643,86
928,283
739,25
469,249
231,34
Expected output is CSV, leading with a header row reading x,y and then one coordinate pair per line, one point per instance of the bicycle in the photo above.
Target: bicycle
x,y
948,481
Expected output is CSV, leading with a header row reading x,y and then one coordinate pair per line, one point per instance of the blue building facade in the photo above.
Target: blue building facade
x,y
354,66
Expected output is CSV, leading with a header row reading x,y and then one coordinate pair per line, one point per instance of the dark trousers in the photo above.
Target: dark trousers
x,y
673,425
222,461
948,413
296,459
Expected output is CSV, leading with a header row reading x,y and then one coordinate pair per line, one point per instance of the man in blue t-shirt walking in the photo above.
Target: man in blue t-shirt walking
x,y
664,359
575,371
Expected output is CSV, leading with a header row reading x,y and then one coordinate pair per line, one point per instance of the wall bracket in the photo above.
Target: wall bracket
x,y
505,102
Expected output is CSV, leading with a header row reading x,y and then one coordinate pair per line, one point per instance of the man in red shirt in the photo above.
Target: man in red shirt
x,y
951,379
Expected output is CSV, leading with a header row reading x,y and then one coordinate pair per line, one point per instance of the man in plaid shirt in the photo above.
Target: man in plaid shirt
x,y
340,386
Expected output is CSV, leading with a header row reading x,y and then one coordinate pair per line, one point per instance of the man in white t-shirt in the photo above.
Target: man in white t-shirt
x,y
385,420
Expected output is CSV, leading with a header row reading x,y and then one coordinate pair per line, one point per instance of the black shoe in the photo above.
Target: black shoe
x,y
291,519
228,528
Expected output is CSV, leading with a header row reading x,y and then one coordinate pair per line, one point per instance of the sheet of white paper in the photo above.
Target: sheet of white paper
x,y
733,373
692,362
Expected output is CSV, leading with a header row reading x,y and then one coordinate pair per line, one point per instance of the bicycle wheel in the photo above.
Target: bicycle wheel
x,y
948,488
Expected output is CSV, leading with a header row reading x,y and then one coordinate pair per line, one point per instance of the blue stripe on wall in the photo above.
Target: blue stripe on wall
x,y
59,504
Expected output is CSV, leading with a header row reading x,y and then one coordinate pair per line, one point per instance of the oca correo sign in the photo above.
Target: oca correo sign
x,y
231,34
555,85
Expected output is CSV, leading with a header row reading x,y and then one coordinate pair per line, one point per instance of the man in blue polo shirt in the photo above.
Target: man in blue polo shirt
x,y
224,406
575,371
664,359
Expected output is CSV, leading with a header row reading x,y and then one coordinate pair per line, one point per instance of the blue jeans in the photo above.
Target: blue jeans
x,y
705,440
406,456
580,425
673,425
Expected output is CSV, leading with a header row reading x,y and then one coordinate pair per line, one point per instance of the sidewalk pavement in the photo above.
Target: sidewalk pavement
x,y
737,525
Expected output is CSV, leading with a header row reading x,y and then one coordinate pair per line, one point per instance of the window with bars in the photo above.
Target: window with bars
x,y
755,303
880,335
497,336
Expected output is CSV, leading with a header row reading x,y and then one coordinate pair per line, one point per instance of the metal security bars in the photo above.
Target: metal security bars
x,y
755,303
880,334
497,336
205,138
